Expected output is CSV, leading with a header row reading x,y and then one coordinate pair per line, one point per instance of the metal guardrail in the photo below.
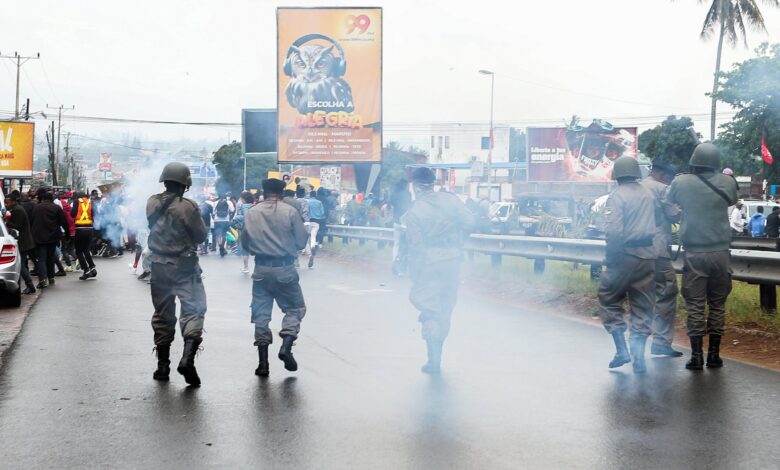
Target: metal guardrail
x,y
753,265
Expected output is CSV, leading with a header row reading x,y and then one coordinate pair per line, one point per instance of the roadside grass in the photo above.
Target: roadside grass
x,y
572,281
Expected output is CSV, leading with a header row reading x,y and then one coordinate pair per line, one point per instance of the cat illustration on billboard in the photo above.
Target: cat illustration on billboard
x,y
316,76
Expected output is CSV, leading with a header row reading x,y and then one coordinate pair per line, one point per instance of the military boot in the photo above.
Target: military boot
x,y
433,366
697,357
713,352
286,355
638,354
664,350
262,367
163,371
621,350
187,363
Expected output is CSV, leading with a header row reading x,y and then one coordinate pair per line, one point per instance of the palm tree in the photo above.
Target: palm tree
x,y
731,16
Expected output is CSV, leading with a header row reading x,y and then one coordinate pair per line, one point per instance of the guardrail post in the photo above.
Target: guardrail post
x,y
330,239
595,272
380,245
362,241
345,241
768,294
539,266
495,260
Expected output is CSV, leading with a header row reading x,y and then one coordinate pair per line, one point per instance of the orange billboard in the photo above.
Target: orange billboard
x,y
17,141
329,86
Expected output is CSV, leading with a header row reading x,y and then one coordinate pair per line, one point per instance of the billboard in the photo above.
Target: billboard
x,y
105,164
329,85
17,141
259,128
578,153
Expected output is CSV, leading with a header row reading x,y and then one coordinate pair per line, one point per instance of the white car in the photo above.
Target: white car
x,y
10,268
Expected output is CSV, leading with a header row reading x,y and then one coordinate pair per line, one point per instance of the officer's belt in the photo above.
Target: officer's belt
x,y
639,243
274,261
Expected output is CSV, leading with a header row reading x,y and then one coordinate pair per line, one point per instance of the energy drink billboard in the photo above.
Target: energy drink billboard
x,y
578,153
17,140
329,86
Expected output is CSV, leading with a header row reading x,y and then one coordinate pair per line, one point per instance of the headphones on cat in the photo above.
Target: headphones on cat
x,y
340,67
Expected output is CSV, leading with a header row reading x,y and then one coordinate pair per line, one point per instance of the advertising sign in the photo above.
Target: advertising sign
x,y
259,127
105,162
578,153
329,86
16,148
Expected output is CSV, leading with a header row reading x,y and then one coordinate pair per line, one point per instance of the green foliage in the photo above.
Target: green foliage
x,y
733,17
394,163
672,141
752,88
229,161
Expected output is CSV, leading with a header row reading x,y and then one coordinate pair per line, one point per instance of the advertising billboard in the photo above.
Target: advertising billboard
x,y
329,86
259,127
106,163
17,140
578,153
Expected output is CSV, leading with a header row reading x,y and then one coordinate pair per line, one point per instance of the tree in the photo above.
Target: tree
x,y
753,89
394,162
672,141
730,16
229,161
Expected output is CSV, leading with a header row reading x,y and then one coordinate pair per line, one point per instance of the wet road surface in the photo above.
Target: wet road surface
x,y
520,388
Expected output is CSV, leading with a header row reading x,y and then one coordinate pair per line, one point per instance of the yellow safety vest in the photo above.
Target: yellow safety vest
x,y
84,214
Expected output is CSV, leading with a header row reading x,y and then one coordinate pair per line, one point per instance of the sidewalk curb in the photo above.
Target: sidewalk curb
x,y
11,322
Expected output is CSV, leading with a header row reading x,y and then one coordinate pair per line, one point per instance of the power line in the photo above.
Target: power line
x,y
20,60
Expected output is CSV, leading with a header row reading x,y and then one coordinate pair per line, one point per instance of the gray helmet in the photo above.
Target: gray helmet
x,y
706,155
626,167
177,172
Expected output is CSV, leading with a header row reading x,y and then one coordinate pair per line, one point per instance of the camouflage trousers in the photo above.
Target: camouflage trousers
x,y
706,281
633,278
434,293
665,314
280,284
169,282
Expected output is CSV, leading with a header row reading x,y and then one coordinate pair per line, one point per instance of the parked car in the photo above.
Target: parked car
x,y
10,268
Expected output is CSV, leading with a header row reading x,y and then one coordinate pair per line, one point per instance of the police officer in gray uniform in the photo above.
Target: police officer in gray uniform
x,y
436,225
274,233
704,196
175,231
666,213
630,262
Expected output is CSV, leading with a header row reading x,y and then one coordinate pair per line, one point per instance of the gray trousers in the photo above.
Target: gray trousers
x,y
665,315
279,284
706,281
170,281
632,277
434,293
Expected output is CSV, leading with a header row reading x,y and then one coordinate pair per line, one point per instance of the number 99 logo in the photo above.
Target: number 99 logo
x,y
360,23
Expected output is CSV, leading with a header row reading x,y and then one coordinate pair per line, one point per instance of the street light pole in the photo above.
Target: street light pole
x,y
490,138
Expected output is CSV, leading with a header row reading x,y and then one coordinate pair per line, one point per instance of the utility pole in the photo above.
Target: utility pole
x,y
490,137
59,109
19,60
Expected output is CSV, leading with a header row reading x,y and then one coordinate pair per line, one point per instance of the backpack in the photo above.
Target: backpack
x,y
205,210
222,208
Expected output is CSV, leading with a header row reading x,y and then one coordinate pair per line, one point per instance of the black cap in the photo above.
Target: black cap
x,y
273,186
423,175
664,167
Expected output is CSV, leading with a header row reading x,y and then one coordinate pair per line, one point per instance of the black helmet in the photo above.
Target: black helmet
x,y
177,172
423,175
626,167
706,155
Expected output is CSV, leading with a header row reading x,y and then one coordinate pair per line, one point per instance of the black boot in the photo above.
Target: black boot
x,y
163,371
713,352
433,366
664,350
286,355
187,363
638,354
697,357
621,350
262,367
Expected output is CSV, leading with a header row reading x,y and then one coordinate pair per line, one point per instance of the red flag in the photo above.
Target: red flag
x,y
765,153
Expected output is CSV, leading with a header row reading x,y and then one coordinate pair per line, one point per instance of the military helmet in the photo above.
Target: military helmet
x,y
626,167
177,172
706,155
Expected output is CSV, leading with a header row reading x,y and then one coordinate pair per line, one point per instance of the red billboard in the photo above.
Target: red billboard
x,y
578,153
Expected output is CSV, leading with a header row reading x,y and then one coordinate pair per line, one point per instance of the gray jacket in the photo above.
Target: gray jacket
x,y
630,222
178,231
273,229
666,214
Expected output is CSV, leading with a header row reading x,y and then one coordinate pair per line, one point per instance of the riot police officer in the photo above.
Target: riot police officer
x,y
175,231
704,196
436,226
630,262
666,213
274,233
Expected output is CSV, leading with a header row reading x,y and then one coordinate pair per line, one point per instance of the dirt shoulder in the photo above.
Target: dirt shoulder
x,y
11,321
746,342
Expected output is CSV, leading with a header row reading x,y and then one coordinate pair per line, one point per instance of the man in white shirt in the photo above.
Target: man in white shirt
x,y
737,220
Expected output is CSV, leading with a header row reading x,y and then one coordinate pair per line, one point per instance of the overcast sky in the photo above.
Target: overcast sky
x,y
203,61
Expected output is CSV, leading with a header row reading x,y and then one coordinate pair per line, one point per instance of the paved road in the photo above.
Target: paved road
x,y
521,389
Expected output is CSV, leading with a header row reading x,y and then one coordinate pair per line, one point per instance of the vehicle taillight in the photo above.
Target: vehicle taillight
x,y
8,254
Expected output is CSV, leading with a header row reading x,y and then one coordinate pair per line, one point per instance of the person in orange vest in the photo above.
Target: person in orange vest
x,y
82,212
